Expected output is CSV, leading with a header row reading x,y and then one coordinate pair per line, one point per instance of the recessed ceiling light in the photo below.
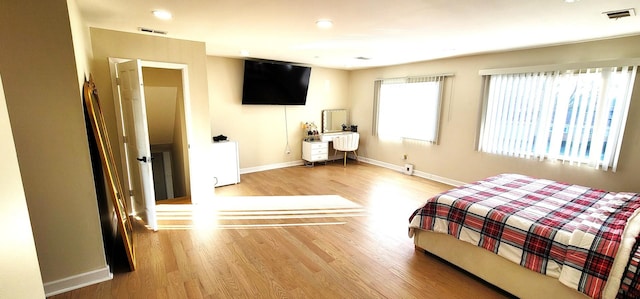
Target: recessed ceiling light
x,y
571,1
324,23
162,14
244,52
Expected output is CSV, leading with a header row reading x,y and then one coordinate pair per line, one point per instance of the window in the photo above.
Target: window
x,y
408,108
576,116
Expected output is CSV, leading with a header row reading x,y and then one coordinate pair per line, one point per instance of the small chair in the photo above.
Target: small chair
x,y
346,143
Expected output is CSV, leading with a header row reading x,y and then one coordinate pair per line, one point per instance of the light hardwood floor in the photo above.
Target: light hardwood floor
x,y
360,256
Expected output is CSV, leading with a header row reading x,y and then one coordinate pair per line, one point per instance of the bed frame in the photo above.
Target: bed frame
x,y
510,277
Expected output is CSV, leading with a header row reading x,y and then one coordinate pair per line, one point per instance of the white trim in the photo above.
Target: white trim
x,y
421,174
398,168
186,98
162,65
438,178
271,166
120,126
77,281
561,67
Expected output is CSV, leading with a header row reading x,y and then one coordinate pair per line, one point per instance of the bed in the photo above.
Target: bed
x,y
536,238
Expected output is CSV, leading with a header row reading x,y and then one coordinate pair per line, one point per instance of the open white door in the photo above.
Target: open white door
x,y
137,140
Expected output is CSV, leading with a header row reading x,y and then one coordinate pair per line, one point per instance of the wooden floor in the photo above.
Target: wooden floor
x,y
361,256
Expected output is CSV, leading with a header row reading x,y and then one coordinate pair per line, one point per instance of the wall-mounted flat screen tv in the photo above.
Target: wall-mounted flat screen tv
x,y
274,83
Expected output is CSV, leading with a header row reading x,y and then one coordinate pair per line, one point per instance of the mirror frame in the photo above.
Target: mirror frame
x,y
92,103
325,124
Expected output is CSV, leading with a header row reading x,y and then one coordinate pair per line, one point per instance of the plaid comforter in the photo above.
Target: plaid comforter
x,y
630,284
565,231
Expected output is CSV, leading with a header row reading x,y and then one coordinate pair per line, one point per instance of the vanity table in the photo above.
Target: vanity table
x,y
332,126
318,150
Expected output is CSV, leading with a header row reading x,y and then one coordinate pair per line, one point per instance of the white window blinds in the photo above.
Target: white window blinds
x,y
408,108
576,116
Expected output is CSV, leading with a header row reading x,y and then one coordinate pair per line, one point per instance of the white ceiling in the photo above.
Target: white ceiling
x,y
385,31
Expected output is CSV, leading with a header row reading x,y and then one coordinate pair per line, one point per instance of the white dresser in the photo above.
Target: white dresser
x,y
314,151
225,163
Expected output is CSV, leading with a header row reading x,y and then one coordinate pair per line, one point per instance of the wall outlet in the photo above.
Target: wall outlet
x,y
408,169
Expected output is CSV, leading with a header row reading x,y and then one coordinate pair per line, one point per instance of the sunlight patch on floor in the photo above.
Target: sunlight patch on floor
x,y
253,212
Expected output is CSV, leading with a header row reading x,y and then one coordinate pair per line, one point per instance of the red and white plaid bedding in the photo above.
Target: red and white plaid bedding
x,y
630,284
565,231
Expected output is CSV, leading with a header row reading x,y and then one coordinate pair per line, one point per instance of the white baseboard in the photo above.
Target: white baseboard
x,y
422,174
77,281
399,168
271,166
438,178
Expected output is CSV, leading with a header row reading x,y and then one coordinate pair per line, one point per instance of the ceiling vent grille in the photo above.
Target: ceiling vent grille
x,y
622,13
148,30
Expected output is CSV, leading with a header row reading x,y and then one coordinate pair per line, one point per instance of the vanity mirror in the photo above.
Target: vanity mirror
x,y
334,119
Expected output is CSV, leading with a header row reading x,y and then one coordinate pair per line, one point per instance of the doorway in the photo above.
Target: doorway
x,y
167,131
160,120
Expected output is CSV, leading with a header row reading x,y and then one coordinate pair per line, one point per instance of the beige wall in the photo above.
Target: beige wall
x,y
20,275
45,107
107,43
260,130
81,42
455,156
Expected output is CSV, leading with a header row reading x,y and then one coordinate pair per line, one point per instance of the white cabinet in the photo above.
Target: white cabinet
x,y
313,151
226,165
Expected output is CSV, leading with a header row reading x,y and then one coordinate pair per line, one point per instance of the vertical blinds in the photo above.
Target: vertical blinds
x,y
408,108
576,116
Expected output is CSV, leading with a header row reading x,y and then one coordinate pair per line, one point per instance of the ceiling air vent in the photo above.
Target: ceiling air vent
x,y
622,13
148,30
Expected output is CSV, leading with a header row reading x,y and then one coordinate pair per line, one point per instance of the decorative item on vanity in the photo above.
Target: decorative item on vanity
x,y
351,128
310,131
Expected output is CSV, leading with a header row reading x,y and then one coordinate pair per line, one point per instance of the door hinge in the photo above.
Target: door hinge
x,y
124,139
130,192
117,80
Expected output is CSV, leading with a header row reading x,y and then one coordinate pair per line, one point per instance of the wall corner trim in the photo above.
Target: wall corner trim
x,y
77,281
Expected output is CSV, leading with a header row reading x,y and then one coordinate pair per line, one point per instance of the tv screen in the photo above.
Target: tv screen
x,y
274,83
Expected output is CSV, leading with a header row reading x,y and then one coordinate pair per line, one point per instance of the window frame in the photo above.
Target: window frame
x,y
438,79
569,70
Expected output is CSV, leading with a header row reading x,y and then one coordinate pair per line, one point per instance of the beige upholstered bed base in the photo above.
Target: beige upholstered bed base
x,y
492,268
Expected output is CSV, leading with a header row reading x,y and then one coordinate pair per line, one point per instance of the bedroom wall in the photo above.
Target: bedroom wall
x,y
42,88
108,43
20,275
260,130
455,156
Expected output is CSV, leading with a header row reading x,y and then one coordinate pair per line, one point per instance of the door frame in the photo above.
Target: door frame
x,y
120,123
